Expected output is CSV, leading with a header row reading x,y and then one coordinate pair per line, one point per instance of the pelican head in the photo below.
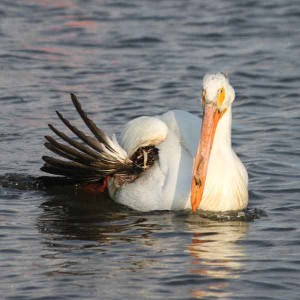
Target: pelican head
x,y
217,96
217,90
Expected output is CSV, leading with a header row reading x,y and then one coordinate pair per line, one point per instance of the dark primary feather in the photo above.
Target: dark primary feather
x,y
93,143
98,133
71,152
95,157
74,143
90,160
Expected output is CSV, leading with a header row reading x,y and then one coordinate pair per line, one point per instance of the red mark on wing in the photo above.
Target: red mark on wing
x,y
96,187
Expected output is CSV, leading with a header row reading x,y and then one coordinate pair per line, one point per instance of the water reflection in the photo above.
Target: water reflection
x,y
198,254
217,256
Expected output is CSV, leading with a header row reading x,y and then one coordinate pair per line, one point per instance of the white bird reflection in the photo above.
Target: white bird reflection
x,y
215,255
183,255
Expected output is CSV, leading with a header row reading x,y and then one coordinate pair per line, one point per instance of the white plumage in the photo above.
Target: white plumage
x,y
192,168
167,185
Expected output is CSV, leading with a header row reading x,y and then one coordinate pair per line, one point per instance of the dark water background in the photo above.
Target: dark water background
x,y
129,58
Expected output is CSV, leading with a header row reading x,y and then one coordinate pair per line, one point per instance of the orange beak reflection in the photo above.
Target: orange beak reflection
x,y
211,117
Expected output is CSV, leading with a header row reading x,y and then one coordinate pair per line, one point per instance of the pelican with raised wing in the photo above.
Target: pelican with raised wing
x,y
162,162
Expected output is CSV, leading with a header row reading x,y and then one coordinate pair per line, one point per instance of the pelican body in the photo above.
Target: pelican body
x,y
165,162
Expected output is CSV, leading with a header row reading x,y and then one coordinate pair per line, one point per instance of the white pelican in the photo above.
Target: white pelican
x,y
160,163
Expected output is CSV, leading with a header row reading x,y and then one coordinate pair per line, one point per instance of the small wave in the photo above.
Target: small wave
x,y
26,182
20,182
141,42
245,215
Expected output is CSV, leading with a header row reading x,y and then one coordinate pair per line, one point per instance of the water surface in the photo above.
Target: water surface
x,y
129,58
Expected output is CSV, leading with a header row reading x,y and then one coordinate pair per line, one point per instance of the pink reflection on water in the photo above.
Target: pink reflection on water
x,y
86,24
54,3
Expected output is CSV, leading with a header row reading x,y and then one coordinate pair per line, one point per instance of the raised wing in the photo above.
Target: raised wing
x,y
90,160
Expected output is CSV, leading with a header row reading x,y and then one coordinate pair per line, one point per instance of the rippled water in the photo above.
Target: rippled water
x,y
125,59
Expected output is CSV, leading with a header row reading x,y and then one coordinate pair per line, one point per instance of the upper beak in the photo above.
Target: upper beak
x,y
211,117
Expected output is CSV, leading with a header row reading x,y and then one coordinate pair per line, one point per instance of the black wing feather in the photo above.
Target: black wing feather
x,y
98,133
84,158
74,143
89,161
93,143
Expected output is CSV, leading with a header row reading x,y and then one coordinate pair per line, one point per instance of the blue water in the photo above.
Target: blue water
x,y
129,58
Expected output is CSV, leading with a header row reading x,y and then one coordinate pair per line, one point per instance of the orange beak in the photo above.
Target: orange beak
x,y
211,117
